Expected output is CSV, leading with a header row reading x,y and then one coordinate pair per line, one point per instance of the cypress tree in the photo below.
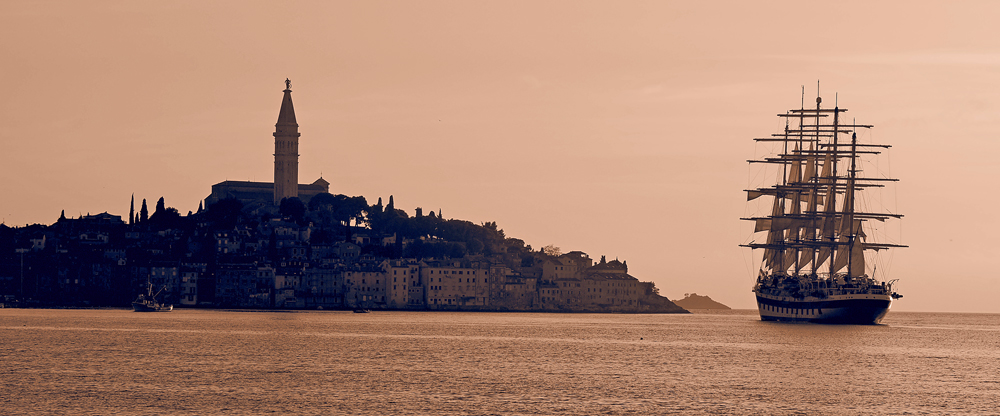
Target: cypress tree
x,y
131,210
143,212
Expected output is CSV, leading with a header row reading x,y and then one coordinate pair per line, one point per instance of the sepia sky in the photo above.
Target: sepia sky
x,y
615,128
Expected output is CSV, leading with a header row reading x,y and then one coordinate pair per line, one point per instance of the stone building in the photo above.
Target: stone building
x,y
455,284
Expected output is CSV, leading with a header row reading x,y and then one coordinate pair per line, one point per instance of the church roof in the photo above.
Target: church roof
x,y
287,113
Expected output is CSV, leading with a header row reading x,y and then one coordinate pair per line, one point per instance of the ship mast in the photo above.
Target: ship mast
x,y
822,232
849,206
833,194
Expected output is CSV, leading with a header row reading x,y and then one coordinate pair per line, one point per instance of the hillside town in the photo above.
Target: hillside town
x,y
233,256
283,244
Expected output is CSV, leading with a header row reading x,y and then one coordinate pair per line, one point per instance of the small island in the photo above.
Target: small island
x,y
694,301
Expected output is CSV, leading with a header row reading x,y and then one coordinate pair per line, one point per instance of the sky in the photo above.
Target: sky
x,y
617,128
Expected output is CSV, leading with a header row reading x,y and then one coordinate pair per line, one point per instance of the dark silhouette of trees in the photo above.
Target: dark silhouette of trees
x,y
143,212
321,199
334,213
226,213
444,249
160,206
472,238
292,208
387,221
339,208
166,218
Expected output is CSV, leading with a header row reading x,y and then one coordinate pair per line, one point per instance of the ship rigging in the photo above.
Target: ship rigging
x,y
814,240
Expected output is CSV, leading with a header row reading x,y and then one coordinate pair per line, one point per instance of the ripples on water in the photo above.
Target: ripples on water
x,y
324,362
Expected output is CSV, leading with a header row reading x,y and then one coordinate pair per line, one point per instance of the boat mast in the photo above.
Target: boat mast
x,y
780,195
849,204
816,235
798,193
832,198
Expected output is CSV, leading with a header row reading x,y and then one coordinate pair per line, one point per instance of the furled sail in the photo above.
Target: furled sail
x,y
846,238
792,256
782,223
858,255
827,177
771,254
808,232
795,170
810,172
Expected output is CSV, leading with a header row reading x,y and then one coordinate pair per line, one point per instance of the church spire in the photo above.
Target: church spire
x,y
286,150
286,116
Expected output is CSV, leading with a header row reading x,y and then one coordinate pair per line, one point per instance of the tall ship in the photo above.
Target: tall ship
x,y
818,221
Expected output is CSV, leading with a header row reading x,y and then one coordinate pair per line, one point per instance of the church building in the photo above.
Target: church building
x,y
286,167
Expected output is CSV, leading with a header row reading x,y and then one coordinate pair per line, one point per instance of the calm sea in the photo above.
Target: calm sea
x,y
325,362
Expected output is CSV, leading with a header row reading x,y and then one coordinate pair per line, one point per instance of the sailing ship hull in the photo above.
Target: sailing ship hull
x,y
854,309
143,307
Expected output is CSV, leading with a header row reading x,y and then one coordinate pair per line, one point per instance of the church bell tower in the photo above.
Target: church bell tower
x,y
286,150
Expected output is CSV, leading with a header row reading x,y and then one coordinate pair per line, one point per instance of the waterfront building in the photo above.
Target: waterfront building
x,y
400,275
165,275
519,293
324,286
244,285
453,284
364,286
288,285
190,272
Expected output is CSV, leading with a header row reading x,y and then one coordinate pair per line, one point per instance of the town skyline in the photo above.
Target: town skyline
x,y
615,129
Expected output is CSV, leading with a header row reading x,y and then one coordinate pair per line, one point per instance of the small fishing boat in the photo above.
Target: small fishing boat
x,y
146,302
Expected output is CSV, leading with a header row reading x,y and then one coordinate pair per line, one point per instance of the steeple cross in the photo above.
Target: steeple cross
x,y
288,84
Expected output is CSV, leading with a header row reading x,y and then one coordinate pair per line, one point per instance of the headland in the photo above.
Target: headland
x,y
286,245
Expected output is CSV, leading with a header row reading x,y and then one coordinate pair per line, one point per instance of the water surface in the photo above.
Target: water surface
x,y
326,362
